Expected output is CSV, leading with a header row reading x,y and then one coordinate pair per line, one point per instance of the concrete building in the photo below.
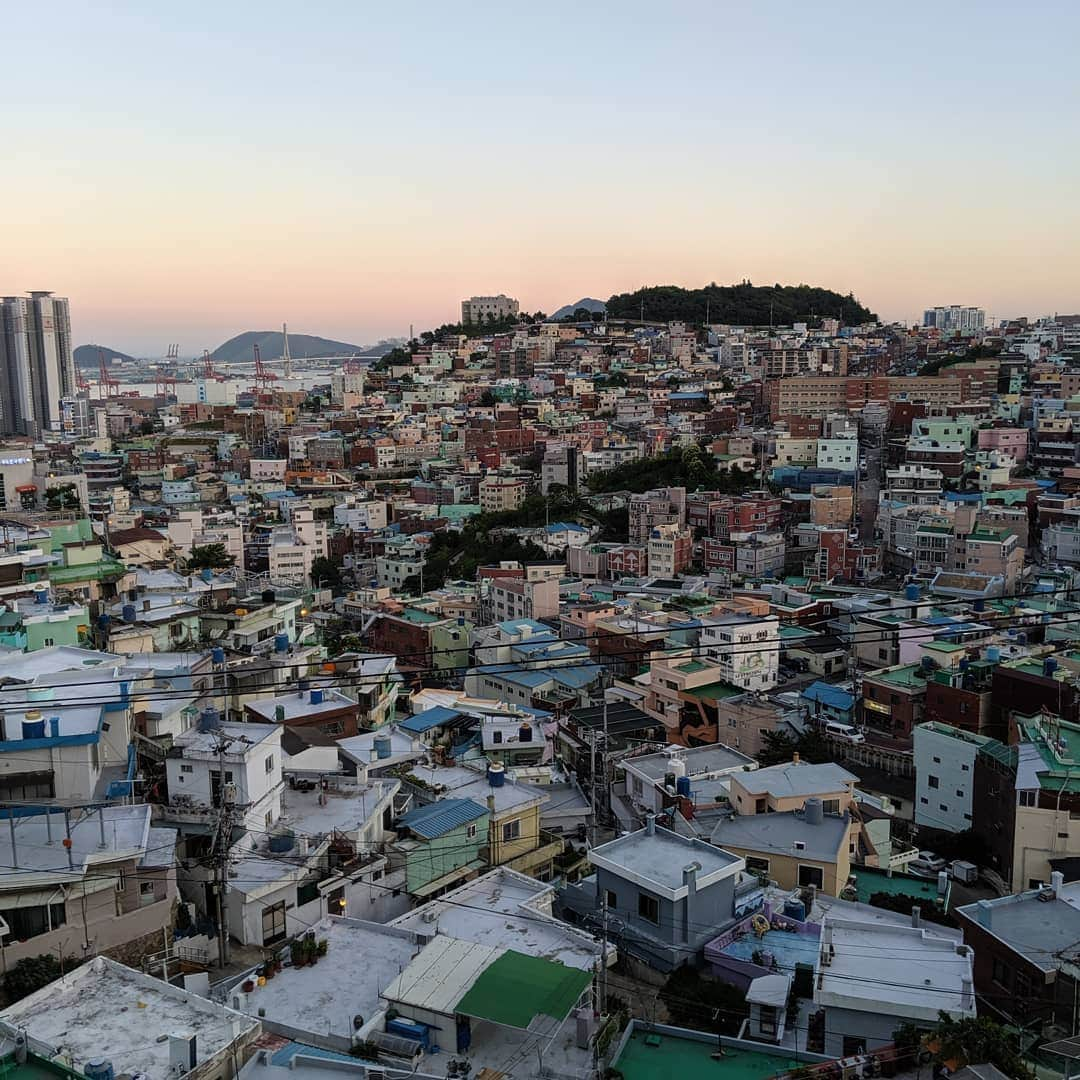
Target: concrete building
x,y
944,776
746,649
36,365
955,319
670,550
478,309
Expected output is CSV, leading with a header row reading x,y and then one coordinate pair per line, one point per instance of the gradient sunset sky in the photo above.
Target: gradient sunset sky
x,y
185,172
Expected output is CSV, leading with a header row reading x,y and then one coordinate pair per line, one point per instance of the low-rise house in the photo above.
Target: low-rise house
x,y
321,713
29,624
83,881
664,895
870,978
440,845
102,1011
654,780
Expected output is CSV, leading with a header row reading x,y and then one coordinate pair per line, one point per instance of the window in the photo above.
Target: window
x,y
964,768
811,875
307,892
831,806
756,865
27,786
959,793
269,764
121,880
1028,798
273,923
999,972
33,921
470,832
932,781
648,908
187,768
924,801
49,642
146,893
511,830
610,899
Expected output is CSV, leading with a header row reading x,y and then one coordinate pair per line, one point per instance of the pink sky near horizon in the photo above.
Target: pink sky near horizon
x,y
185,186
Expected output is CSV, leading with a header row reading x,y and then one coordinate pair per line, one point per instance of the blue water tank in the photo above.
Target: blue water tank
x,y
1050,665
911,592
128,612
281,643
383,747
282,842
316,697
207,574
410,1029
496,774
103,620
41,596
964,664
682,786
980,604
33,729
217,655
795,909
209,719
993,654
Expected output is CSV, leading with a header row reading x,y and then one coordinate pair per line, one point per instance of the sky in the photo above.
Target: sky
x,y
185,172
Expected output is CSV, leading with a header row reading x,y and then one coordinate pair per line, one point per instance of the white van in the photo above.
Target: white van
x,y
844,731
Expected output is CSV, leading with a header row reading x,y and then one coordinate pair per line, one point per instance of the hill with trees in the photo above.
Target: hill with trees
x,y
86,356
742,305
238,350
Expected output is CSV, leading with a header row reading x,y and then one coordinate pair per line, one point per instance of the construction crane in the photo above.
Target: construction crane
x,y
208,368
263,377
82,383
165,380
108,387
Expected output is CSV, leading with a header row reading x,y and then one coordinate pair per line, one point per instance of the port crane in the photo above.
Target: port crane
x,y
263,376
208,368
108,387
165,379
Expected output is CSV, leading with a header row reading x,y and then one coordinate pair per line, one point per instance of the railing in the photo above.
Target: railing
x,y
902,858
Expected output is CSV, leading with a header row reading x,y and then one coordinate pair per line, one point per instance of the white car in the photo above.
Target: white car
x,y
926,864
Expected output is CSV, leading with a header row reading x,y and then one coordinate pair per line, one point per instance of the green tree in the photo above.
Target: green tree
x,y
30,974
327,572
977,1041
487,398
62,497
696,1001
209,557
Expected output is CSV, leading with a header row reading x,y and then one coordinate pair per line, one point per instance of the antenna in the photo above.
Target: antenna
x,y
285,350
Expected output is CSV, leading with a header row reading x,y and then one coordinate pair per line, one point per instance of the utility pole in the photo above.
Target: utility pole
x,y
220,856
603,954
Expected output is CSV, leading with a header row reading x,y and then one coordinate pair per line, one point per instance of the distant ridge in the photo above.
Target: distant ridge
x,y
586,302
238,350
87,355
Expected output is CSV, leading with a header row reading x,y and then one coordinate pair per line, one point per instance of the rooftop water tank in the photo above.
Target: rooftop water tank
x,y
316,697
795,909
98,1069
128,612
677,767
682,786
383,746
814,811
207,574
217,655
283,841
993,654
525,733
496,774
209,719
980,604
33,725
103,620
41,594
911,592
279,713
281,643
1050,665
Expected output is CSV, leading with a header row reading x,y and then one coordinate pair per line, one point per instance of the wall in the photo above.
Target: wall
x,y
434,858
951,762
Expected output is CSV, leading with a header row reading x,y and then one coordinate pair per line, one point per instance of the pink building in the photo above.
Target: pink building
x,y
1011,441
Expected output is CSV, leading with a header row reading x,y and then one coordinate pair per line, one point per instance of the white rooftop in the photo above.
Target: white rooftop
x,y
509,910
300,704
342,807
463,783
898,970
103,1009
361,748
796,779
236,738
442,974
656,859
361,960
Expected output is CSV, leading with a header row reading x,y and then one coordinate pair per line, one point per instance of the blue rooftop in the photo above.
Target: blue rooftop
x,y
564,526
525,677
828,695
439,818
576,676
434,717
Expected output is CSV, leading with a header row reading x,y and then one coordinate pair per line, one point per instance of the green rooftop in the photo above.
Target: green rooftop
x,y
418,615
945,646
714,691
654,1056
35,1068
1058,744
870,880
517,988
796,633
907,677
692,667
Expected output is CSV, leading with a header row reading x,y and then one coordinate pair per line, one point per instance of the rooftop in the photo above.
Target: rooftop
x,y
657,859
780,834
650,1056
797,779
105,1009
699,761
362,959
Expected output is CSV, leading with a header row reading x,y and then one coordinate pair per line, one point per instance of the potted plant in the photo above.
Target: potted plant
x,y
248,985
323,946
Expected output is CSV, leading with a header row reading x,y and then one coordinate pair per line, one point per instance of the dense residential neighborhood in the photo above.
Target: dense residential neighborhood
x,y
558,691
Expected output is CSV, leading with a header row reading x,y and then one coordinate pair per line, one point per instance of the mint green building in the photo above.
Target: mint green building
x,y
444,846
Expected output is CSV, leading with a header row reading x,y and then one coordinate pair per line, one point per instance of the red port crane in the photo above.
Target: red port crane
x,y
208,365
165,380
107,385
263,377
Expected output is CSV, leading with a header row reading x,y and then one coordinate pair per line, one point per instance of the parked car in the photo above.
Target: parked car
x,y
926,864
845,732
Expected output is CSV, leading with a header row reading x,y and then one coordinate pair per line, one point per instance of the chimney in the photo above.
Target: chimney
x,y
916,917
1057,882
650,824
985,914
795,758
689,878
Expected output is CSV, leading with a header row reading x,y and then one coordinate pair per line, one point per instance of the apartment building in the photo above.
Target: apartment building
x,y
745,649
661,506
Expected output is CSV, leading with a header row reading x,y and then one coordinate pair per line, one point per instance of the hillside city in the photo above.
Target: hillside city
x,y
621,693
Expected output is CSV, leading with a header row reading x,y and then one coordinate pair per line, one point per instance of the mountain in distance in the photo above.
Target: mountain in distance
x,y
741,305
238,350
87,355
586,302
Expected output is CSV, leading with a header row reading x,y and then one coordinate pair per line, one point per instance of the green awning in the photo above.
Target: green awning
x,y
515,989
